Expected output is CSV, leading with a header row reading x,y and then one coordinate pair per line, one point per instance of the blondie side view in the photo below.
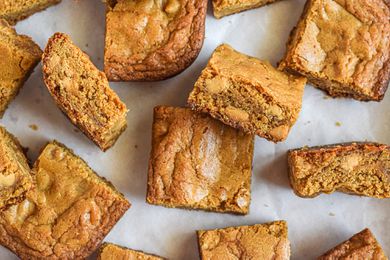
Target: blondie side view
x,y
110,251
223,8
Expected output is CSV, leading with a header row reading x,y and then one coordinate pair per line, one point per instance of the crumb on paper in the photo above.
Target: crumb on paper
x,y
76,130
338,123
33,127
86,45
98,58
331,214
305,146
326,97
136,146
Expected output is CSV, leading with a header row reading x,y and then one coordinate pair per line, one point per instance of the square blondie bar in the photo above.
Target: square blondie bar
x,y
227,7
262,241
197,162
356,168
67,215
362,245
15,178
249,94
110,251
82,92
19,55
343,47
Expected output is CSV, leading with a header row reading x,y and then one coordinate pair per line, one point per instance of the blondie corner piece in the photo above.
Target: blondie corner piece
x,y
362,245
110,251
262,241
152,40
15,178
227,7
356,168
343,47
199,163
16,10
67,215
82,92
249,94
19,55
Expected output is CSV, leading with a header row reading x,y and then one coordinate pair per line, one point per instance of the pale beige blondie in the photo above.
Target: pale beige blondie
x,y
109,251
227,7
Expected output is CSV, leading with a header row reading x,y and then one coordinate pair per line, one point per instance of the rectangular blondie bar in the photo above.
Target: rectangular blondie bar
x,y
110,251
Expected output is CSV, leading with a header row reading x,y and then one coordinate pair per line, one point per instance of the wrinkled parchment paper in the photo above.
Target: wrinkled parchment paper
x,y
315,225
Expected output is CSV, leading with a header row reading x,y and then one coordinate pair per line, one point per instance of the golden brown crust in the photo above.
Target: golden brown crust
x,y
197,162
249,94
227,7
355,168
82,92
109,251
68,213
146,41
16,10
362,245
342,46
262,241
19,56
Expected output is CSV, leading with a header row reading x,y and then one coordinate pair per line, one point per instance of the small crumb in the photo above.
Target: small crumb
x,y
326,97
305,146
33,127
76,130
98,58
135,146
331,214
86,45
338,123
265,205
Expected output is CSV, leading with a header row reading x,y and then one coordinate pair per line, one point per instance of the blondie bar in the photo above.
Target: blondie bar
x,y
362,245
266,242
110,251
67,215
249,94
357,168
16,10
15,178
152,40
198,162
343,47
82,92
18,57
227,7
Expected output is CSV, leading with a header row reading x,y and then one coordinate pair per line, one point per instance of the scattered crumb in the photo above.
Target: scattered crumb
x,y
76,130
305,146
135,146
265,205
338,123
326,97
331,214
86,45
33,127
98,58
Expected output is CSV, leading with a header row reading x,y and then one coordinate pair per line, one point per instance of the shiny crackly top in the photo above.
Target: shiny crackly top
x,y
362,245
346,41
198,162
68,213
113,252
267,241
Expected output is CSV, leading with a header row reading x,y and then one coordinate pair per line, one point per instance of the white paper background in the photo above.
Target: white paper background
x,y
315,225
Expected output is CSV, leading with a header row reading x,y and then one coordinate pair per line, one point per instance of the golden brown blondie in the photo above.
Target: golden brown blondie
x,y
82,92
249,94
227,7
357,168
343,47
152,40
362,245
67,215
110,251
262,241
15,178
18,57
197,162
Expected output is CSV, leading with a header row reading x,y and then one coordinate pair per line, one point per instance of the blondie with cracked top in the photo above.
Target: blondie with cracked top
x,y
19,56
15,178
110,251
262,241
249,94
67,214
82,92
356,168
343,47
149,40
227,7
362,245
197,162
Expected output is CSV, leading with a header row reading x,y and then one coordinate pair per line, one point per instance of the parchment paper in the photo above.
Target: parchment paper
x,y
315,225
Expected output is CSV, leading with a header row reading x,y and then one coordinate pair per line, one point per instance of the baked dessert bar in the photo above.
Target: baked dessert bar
x,y
19,56
362,245
197,162
15,178
16,10
67,215
150,40
110,251
249,94
342,47
266,241
82,92
227,7
356,168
